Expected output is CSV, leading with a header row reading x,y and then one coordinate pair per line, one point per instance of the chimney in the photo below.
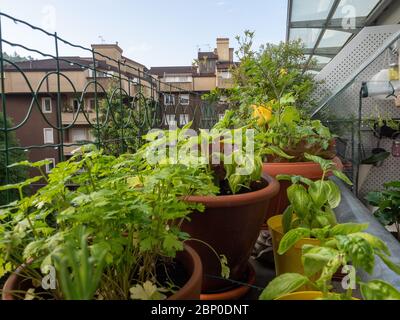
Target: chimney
x,y
110,50
223,49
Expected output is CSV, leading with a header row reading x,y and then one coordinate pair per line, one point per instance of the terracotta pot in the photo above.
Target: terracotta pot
x,y
308,170
192,264
236,292
190,291
230,225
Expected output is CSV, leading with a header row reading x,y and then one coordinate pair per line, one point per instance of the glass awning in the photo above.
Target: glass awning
x,y
325,26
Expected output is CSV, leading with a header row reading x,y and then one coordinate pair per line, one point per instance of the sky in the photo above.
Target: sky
x,y
152,32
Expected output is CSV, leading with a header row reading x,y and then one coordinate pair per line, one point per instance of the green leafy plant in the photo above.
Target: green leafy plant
x,y
229,157
311,202
131,214
388,203
270,94
322,262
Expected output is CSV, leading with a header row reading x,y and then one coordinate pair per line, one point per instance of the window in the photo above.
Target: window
x,y
183,119
225,75
75,105
169,99
46,105
100,74
170,120
174,79
91,105
78,134
51,165
184,99
48,135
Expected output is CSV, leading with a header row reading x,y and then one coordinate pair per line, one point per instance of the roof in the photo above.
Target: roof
x,y
226,65
209,55
65,63
324,26
134,62
73,64
161,71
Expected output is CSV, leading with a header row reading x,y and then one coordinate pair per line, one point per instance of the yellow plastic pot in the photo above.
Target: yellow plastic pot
x,y
303,295
290,262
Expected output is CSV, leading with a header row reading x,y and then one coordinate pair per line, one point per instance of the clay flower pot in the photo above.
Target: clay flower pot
x,y
190,291
230,225
308,170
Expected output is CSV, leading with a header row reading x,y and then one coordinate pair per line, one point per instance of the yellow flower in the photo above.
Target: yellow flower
x,y
262,114
283,72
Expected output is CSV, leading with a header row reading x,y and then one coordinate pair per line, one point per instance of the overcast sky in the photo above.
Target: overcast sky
x,y
152,32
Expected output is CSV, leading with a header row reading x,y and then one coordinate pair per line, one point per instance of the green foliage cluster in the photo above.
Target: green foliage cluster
x,y
113,217
388,203
346,244
310,215
273,80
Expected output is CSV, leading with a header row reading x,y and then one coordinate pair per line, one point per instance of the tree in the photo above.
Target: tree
x,y
15,57
16,174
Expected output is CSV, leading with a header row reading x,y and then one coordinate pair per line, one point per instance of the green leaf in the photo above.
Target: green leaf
x,y
358,251
290,115
319,192
287,219
379,290
393,184
326,165
147,291
225,270
334,194
172,244
374,198
284,284
348,228
291,238
342,177
374,241
316,258
274,150
391,265
38,164
300,199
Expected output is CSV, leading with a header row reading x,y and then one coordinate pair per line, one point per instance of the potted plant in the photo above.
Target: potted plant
x,y
322,262
271,94
115,235
387,203
308,219
377,158
238,208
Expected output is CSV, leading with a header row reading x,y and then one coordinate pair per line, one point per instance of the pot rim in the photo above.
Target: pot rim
x,y
336,160
267,192
196,274
299,244
190,285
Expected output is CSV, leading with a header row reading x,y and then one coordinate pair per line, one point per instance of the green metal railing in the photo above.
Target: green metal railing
x,y
117,106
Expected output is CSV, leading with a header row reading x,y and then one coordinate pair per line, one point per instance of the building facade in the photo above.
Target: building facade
x,y
39,101
183,86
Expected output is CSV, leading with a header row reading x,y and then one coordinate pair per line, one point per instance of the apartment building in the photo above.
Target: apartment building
x,y
38,115
183,86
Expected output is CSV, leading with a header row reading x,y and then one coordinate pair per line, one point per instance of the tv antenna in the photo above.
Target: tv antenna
x,y
200,46
102,39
